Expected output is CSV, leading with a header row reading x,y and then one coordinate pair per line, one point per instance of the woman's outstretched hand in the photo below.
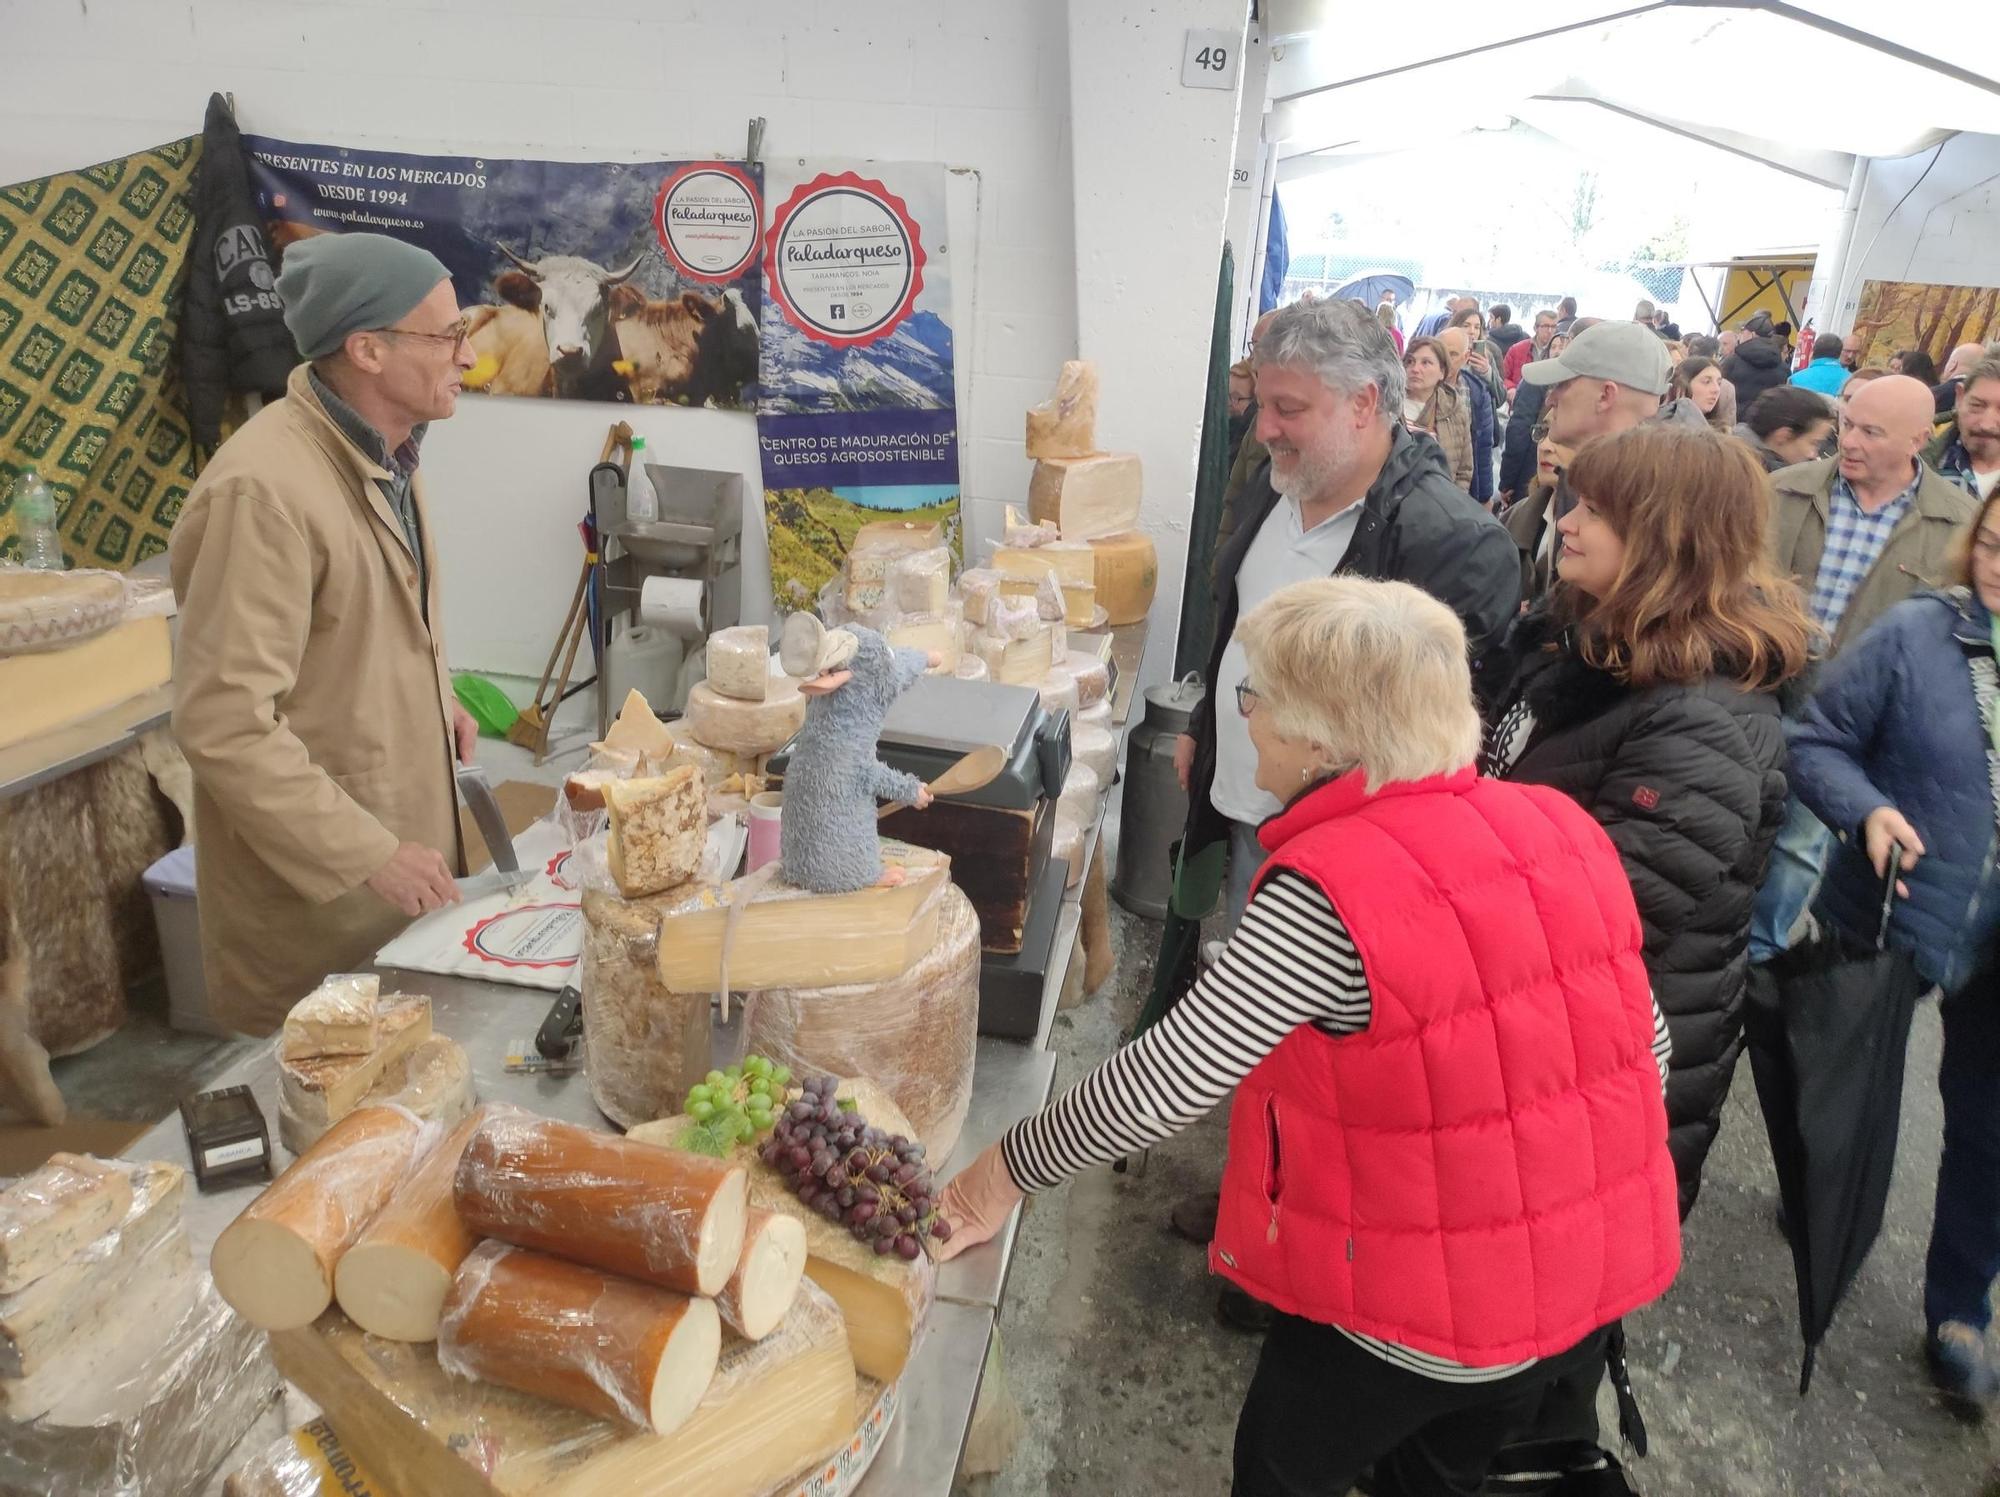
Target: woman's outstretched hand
x,y
976,1203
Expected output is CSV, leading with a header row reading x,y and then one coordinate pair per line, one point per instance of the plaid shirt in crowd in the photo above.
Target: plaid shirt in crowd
x,y
1854,542
1955,465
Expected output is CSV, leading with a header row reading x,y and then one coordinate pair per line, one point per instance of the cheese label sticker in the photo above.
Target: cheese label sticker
x,y
336,1470
236,1153
710,221
558,872
844,259
536,936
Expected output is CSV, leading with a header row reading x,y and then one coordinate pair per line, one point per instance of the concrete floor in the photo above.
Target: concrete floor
x,y
1128,1384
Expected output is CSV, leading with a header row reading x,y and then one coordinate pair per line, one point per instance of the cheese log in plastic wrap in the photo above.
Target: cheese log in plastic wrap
x,y
676,1222
929,631
1016,662
319,1093
912,1035
275,1263
746,727
1096,749
739,661
1128,574
878,545
434,1082
338,1017
1065,425
1086,497
759,1294
48,1215
977,588
1093,678
587,1339
786,936
644,1045
1067,847
38,1320
393,1281
171,1386
1058,690
920,581
658,829
883,1299
1080,791
776,1407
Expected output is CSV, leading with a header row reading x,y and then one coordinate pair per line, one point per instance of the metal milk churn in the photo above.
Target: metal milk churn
x,y
1154,811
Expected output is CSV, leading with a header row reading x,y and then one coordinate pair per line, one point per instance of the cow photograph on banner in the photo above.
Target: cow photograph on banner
x,y
857,417
637,283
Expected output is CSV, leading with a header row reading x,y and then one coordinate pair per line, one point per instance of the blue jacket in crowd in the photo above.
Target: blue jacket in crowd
x,y
1894,723
1479,400
1825,376
1518,462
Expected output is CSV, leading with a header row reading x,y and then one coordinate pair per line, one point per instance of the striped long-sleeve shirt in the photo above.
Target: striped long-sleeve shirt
x,y
1291,962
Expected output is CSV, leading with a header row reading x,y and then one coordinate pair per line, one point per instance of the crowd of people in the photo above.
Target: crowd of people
x,y
1562,673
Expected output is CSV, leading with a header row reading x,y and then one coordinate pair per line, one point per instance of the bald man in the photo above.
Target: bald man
x,y
1860,532
1961,359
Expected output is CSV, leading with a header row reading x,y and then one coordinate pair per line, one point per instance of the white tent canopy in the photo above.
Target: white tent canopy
x,y
1805,88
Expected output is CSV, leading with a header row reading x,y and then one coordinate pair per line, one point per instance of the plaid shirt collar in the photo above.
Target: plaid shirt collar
x,y
1885,517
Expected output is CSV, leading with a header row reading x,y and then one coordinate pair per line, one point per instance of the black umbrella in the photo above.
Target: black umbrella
x,y
1828,1024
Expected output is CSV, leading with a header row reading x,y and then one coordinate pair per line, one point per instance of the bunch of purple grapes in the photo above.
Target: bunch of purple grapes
x,y
873,1183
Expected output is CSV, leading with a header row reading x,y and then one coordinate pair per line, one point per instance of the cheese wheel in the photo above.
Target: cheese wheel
x,y
759,1294
275,1263
1096,749
1059,692
739,662
671,1219
394,1279
578,1337
736,727
1128,574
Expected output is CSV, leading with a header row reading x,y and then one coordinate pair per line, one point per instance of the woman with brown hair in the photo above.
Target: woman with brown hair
x,y
1433,404
1644,687
1694,394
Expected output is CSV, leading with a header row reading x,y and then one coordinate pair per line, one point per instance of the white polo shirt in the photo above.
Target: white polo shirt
x,y
1284,552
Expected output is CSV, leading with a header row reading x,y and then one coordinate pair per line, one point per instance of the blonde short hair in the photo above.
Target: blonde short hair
x,y
1373,672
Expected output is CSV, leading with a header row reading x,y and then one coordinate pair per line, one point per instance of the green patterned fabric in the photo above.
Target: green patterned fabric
x,y
91,271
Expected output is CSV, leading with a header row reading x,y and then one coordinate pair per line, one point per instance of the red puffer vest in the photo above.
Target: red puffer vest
x,y
1481,1174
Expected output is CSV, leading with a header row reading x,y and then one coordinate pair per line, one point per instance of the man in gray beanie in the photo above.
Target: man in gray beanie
x,y
313,700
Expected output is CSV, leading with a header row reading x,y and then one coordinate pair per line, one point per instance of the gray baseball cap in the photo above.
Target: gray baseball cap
x,y
1626,353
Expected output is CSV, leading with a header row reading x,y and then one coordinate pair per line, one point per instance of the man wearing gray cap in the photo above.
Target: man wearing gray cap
x,y
313,700
1609,379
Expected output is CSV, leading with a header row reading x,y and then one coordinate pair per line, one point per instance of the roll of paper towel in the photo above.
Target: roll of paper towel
x,y
673,604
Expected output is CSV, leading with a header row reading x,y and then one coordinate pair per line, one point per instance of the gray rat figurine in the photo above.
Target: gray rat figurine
x,y
827,835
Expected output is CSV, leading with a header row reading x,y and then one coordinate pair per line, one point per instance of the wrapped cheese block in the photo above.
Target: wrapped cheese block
x,y
644,1045
338,1017
303,1463
39,1320
739,662
1065,425
1095,748
1080,791
658,828
929,632
313,1095
1093,678
1067,845
275,1263
674,1220
759,1294
48,1215
879,544
393,1281
775,1408
1071,561
586,1339
977,588
1014,616
434,1082
912,1035
1017,662
736,727
1086,497
920,581
1058,690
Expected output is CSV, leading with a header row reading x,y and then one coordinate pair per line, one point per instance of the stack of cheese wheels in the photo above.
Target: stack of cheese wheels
x,y
275,1263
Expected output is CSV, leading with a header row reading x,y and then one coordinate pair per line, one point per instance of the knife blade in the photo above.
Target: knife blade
x,y
478,793
493,881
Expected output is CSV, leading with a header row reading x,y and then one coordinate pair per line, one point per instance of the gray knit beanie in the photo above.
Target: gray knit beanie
x,y
336,284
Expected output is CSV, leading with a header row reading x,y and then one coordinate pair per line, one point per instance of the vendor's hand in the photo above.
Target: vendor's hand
x,y
977,1203
465,733
416,880
924,797
1884,827
1184,760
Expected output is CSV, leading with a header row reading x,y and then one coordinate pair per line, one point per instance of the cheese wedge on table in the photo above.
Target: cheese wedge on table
x,y
339,1017
1016,662
739,662
658,829
47,1216
1087,497
636,731
1065,425
1072,562
321,1092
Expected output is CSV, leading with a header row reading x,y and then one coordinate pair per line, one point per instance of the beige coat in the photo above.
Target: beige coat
x,y
313,705
1446,417
1915,557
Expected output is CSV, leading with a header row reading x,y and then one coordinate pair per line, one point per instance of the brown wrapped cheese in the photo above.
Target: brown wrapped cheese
x,y
644,1045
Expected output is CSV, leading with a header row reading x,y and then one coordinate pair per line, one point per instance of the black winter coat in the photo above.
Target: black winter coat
x,y
1689,783
1757,365
232,333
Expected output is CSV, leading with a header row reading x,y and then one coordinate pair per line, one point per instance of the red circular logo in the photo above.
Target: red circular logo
x,y
710,221
844,260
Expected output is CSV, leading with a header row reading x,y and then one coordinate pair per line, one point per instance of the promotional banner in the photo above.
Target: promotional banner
x,y
634,283
856,415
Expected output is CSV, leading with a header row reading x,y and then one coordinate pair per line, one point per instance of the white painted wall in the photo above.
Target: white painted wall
x,y
1152,165
1919,221
971,83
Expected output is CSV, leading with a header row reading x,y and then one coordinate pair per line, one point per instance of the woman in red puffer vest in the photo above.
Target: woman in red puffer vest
x,y
1447,1164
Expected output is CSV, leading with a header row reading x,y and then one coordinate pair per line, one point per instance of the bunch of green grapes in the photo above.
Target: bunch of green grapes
x,y
737,1105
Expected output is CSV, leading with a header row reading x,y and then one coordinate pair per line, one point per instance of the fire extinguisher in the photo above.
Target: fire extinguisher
x,y
1806,339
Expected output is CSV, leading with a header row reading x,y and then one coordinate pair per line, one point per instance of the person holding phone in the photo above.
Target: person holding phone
x,y
1900,746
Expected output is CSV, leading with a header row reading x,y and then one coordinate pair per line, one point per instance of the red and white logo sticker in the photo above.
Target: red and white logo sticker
x,y
533,936
844,260
710,221
558,872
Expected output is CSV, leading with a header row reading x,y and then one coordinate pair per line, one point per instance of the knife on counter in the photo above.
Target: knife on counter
x,y
506,872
